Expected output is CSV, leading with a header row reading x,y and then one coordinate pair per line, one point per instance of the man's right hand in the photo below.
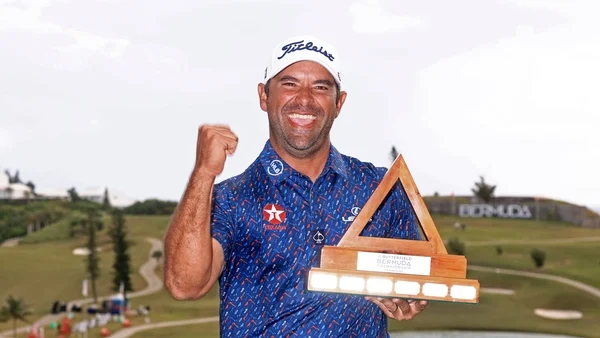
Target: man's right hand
x,y
215,142
193,258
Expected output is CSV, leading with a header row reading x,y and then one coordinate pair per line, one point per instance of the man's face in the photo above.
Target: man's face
x,y
301,106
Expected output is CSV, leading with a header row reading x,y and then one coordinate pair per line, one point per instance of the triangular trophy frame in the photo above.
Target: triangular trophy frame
x,y
433,243
416,269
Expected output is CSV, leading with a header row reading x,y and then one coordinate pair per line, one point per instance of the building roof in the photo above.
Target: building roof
x,y
52,192
20,187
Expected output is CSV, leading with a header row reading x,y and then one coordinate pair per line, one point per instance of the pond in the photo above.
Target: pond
x,y
472,334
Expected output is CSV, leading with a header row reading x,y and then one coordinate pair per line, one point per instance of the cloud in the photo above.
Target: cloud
x,y
25,16
6,140
369,17
525,107
11,137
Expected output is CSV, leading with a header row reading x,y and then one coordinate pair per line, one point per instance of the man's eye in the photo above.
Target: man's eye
x,y
322,88
289,84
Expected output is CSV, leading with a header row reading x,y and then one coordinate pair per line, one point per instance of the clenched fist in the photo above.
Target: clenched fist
x,y
215,142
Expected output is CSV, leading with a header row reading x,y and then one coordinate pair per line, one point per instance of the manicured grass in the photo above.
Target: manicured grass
x,y
514,312
147,226
208,330
57,232
579,261
164,307
494,312
45,264
493,229
187,331
45,272
51,272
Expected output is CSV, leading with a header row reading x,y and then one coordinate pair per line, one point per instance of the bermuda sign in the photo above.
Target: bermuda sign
x,y
499,211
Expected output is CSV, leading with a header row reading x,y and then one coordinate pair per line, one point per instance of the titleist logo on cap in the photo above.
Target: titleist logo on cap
x,y
299,45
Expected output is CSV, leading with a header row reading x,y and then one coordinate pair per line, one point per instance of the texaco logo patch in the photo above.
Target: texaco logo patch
x,y
274,213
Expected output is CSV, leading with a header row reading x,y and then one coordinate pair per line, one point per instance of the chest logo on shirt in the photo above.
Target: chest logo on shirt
x,y
275,168
318,236
354,211
274,213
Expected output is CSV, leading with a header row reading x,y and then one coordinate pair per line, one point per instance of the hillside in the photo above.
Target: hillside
x,y
515,207
51,255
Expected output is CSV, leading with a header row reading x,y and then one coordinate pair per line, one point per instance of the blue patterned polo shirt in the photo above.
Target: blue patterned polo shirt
x,y
272,222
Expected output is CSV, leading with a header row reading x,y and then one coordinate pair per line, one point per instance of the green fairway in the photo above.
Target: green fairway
x,y
46,271
494,312
579,261
494,229
147,226
208,330
512,312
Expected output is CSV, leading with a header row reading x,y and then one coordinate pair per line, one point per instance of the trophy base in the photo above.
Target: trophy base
x,y
393,285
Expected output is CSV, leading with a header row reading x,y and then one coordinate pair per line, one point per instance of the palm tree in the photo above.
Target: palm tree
x,y
394,154
483,190
16,310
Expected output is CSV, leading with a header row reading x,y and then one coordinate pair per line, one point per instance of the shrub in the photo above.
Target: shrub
x,y
538,257
151,207
456,246
499,250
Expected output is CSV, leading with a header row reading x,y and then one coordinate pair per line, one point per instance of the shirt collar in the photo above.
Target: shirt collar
x,y
278,170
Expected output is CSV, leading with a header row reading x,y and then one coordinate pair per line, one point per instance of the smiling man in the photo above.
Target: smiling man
x,y
260,232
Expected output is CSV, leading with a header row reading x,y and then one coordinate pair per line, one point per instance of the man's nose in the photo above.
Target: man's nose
x,y
305,95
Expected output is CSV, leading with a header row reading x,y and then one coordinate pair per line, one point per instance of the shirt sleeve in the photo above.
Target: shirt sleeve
x,y
222,226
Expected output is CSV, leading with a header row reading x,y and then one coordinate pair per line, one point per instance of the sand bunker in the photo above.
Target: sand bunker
x,y
83,251
558,314
497,291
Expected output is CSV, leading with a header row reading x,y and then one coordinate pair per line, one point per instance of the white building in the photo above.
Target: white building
x,y
13,191
21,191
54,194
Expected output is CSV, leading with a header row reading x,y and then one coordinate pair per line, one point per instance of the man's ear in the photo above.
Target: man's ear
x,y
340,103
262,96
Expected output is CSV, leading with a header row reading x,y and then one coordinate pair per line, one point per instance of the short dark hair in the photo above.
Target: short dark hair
x,y
337,89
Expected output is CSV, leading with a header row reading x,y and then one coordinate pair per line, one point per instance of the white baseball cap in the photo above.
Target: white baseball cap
x,y
304,48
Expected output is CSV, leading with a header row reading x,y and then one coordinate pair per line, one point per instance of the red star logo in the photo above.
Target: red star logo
x,y
274,213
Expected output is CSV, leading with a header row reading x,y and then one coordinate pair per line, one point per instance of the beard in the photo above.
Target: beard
x,y
300,142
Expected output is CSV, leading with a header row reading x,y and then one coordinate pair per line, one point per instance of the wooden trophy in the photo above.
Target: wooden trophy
x,y
394,268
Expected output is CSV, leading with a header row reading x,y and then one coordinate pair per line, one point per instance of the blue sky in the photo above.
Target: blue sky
x,y
111,93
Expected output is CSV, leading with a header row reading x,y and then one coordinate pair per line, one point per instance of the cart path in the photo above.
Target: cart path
x,y
125,333
155,284
578,285
128,332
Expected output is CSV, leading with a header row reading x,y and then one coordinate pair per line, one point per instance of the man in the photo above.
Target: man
x,y
260,232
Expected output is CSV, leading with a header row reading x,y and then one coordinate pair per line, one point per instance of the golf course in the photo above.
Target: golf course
x,y
515,293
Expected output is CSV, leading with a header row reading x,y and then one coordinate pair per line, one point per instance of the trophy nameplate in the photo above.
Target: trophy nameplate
x,y
394,268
